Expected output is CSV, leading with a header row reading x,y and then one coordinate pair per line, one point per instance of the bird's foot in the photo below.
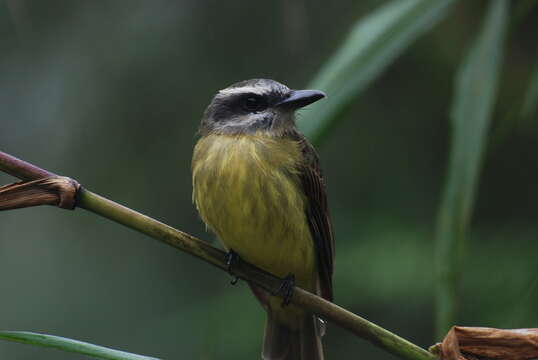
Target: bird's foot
x,y
286,289
231,259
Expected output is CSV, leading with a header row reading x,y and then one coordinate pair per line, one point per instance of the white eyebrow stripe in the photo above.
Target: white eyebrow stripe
x,y
243,90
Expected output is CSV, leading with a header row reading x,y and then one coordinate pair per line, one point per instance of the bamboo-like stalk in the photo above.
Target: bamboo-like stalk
x,y
203,250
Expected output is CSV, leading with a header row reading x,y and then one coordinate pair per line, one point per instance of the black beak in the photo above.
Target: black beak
x,y
301,98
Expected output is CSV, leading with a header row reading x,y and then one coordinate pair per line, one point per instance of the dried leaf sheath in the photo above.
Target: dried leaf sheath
x,y
58,190
464,343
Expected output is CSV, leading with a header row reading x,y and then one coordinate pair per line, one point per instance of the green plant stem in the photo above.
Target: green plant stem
x,y
180,240
203,250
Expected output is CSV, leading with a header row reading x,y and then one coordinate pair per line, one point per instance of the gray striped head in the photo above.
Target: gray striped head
x,y
255,105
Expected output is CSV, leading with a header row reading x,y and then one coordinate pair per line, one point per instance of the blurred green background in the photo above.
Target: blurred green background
x,y
111,93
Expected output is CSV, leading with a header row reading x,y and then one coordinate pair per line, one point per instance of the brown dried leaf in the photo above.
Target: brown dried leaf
x,y
466,343
57,190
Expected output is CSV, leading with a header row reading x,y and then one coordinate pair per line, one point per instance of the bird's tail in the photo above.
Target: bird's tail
x,y
283,343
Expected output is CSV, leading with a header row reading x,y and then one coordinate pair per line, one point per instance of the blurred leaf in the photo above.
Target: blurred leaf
x,y
70,345
373,43
531,97
474,99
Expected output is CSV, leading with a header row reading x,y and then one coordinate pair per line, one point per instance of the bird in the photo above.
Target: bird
x,y
258,185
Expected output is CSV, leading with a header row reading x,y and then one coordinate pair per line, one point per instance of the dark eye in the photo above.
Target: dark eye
x,y
253,103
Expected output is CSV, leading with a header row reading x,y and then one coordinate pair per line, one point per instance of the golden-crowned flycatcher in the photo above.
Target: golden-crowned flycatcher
x,y
258,186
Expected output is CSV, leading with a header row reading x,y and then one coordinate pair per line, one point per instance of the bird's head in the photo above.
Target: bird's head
x,y
255,105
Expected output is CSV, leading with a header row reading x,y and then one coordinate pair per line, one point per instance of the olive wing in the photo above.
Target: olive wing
x,y
318,217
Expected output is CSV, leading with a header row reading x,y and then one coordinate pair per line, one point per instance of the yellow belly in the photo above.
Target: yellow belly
x,y
247,190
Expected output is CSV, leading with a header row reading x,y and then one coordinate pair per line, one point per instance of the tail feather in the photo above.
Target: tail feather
x,y
283,343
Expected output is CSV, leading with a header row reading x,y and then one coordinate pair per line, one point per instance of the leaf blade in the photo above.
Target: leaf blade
x,y
373,43
530,102
474,97
70,345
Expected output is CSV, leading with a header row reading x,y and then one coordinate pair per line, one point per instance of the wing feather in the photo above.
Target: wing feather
x,y
317,214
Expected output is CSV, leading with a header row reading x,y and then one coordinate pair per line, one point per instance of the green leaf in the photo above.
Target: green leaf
x,y
373,43
530,104
471,113
70,345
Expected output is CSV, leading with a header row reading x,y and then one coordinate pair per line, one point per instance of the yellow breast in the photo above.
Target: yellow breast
x,y
247,190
